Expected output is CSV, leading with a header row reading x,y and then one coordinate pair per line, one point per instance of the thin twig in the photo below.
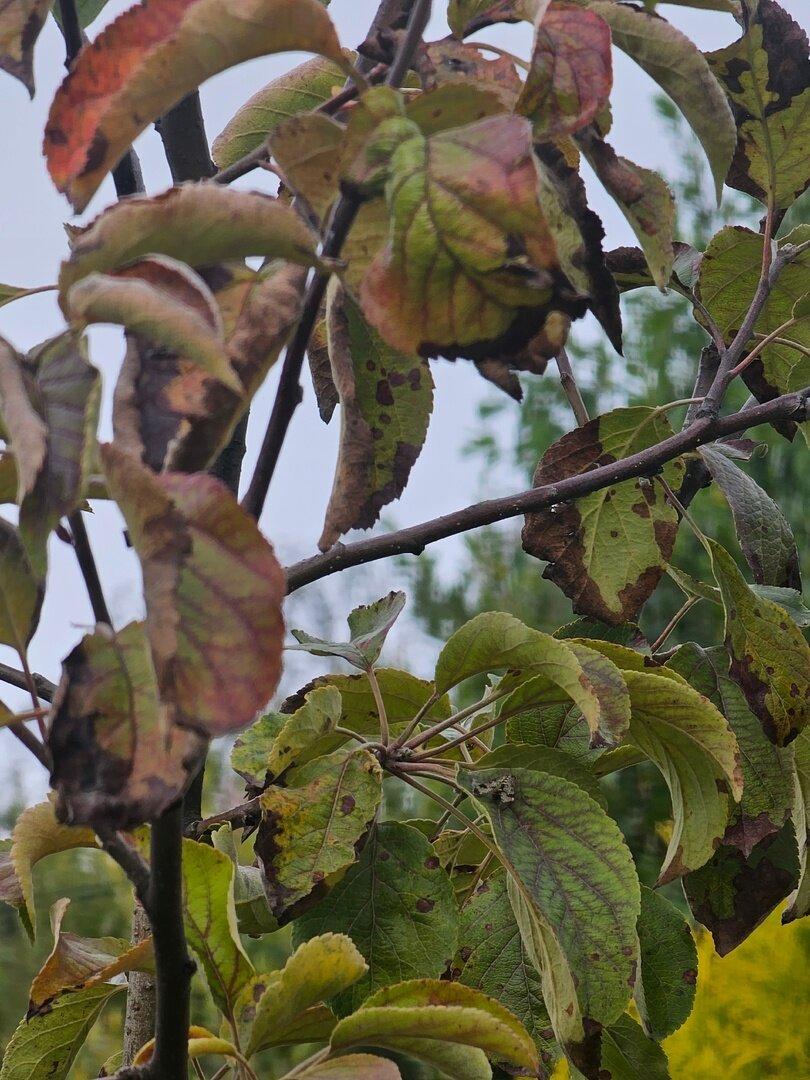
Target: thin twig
x,y
461,740
31,743
683,610
764,342
130,860
44,687
237,817
456,718
569,385
415,539
87,565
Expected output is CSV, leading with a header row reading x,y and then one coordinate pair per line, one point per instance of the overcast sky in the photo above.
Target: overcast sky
x,y
32,243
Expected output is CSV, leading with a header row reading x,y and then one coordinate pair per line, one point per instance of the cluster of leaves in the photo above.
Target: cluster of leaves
x,y
445,218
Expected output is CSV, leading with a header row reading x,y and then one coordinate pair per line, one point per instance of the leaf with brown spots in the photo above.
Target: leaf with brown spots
x,y
20,24
455,63
147,60
766,74
78,962
608,550
386,398
171,414
114,763
310,827
213,591
570,72
398,905
770,658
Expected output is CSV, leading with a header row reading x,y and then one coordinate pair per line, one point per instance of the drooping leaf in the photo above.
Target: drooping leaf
x,y
694,748
799,900
45,1047
679,68
209,917
411,1016
764,533
172,415
20,592
397,904
575,895
217,661
570,72
353,1067
309,829
115,763
608,550
199,224
76,963
643,198
386,398
297,91
36,834
160,299
21,421
20,24
140,66
253,916
767,770
369,625
770,658
665,987
496,640
492,958
468,247
319,969
766,74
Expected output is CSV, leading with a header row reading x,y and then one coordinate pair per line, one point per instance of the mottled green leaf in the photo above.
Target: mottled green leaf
x,y
492,958
766,74
426,1011
799,901
561,726
353,1067
313,722
607,550
299,90
691,743
309,829
368,628
252,912
45,1047
575,895
770,658
209,917
397,904
679,68
386,398
627,1054
543,759
665,987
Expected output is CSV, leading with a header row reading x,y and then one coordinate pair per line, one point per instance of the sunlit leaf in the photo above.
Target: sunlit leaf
x,y
665,986
20,24
397,904
310,828
770,658
115,762
608,550
575,895
217,660
140,66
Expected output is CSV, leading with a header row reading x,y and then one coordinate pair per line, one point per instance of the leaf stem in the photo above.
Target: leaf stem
x,y
87,565
385,736
460,740
765,341
569,385
684,609
456,718
690,521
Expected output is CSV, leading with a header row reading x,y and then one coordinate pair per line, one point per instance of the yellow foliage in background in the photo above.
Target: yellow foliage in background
x,y
751,1019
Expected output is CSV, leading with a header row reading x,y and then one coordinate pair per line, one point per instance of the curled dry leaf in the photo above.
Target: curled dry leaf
x,y
20,24
148,60
451,61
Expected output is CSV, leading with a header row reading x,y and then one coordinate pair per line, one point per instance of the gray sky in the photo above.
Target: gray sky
x,y
33,243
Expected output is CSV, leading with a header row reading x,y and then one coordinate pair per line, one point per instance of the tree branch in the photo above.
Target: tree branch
x,y
44,687
130,861
31,743
647,462
87,565
185,144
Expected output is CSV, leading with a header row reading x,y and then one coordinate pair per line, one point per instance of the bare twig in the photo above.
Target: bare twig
x,y
647,462
87,565
569,385
31,743
130,860
44,687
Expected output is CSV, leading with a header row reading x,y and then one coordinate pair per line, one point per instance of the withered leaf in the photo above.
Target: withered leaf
x,y
20,24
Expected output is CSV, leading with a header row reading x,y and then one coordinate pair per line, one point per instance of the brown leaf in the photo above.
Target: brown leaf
x,y
25,427
20,24
213,591
320,369
452,61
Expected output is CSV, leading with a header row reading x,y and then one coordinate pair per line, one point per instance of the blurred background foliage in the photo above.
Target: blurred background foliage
x,y
750,1018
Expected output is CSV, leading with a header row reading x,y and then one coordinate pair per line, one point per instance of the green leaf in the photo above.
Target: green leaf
x,y
297,91
397,904
492,958
20,24
369,625
560,726
217,662
309,829
495,640
543,759
575,895
608,550
427,1011
15,292
770,658
679,67
799,901
627,634
694,748
665,987
252,913
105,103
627,1053
319,969
767,77
209,917
386,398
199,224
762,529
353,1067
45,1047
313,722
20,593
